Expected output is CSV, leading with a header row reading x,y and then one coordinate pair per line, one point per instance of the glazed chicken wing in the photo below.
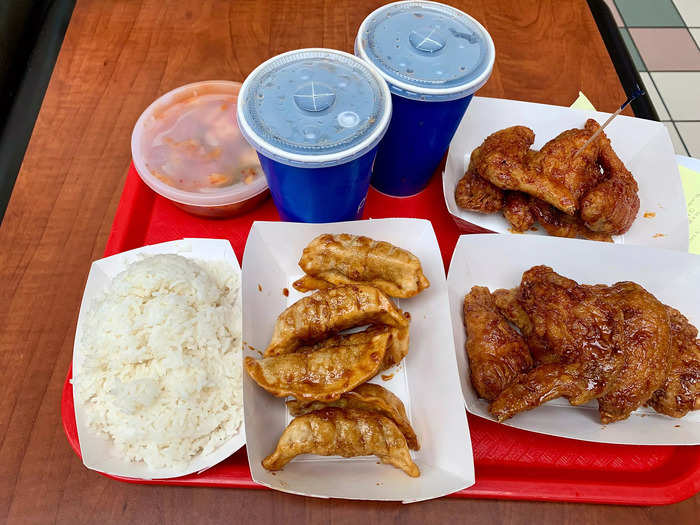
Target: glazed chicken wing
x,y
680,392
611,206
343,432
645,342
517,211
559,224
325,372
352,259
332,310
497,353
369,398
567,177
476,194
507,303
501,158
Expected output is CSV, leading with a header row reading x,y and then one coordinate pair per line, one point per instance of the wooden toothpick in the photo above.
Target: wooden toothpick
x,y
638,93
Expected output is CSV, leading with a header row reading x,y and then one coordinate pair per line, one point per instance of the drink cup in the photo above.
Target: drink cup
x,y
315,117
434,58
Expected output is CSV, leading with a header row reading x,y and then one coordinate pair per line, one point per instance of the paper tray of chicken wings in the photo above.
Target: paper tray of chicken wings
x,y
582,340
350,385
521,167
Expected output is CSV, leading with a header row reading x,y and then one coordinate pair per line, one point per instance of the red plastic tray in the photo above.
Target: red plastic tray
x,y
510,463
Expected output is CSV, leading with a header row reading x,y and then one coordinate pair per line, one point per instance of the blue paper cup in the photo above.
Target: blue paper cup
x,y
434,58
315,117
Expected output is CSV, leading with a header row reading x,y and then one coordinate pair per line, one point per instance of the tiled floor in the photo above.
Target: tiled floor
x,y
663,38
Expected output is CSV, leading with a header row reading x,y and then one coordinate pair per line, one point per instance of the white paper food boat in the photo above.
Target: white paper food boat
x,y
98,452
498,261
426,380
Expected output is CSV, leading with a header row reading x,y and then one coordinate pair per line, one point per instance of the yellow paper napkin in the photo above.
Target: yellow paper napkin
x,y
582,102
691,188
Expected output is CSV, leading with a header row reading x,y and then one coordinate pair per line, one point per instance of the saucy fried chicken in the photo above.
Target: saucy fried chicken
x,y
476,194
507,303
611,206
559,224
497,353
501,158
568,177
517,211
680,393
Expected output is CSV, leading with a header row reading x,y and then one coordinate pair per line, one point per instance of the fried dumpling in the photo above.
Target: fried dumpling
x,y
343,432
352,259
370,398
325,371
330,311
396,347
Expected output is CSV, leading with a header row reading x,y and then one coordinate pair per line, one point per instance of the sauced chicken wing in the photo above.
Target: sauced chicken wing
x,y
567,177
330,311
322,373
343,432
680,392
507,303
543,384
609,343
517,211
476,194
497,353
370,398
501,158
645,337
353,259
611,206
557,223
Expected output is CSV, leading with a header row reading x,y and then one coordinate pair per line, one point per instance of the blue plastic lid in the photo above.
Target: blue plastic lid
x,y
314,108
427,50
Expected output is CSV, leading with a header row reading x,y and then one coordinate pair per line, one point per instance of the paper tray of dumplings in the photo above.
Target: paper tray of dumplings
x,y
498,262
425,381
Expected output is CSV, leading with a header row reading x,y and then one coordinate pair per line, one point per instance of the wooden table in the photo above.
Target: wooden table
x,y
117,57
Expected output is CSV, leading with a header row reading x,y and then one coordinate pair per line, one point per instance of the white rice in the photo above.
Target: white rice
x,y
161,374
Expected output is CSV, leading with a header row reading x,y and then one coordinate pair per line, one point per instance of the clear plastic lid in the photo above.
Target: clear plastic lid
x,y
426,50
314,108
187,147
